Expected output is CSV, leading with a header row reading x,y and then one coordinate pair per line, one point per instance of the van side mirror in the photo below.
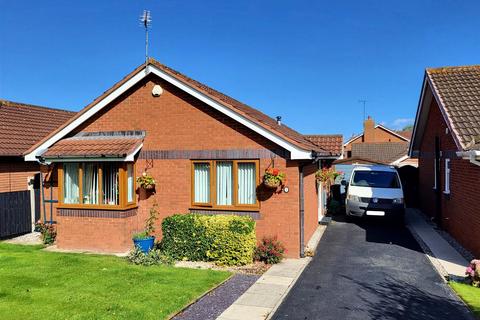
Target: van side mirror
x,y
344,183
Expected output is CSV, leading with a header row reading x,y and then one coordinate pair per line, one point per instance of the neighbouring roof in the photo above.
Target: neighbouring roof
x,y
22,125
457,90
329,142
355,160
253,115
98,145
405,135
380,152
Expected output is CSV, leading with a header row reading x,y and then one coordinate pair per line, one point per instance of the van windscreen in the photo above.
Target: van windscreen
x,y
375,179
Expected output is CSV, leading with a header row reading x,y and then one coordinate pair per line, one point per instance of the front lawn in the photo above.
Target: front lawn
x,y
35,284
469,294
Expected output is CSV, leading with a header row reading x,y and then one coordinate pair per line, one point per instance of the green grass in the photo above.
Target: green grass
x,y
469,294
35,284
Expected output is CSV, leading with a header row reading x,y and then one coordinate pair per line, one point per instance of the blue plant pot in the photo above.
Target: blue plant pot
x,y
144,244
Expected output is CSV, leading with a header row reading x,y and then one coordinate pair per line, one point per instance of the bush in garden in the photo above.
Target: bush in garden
x,y
183,238
48,232
224,239
153,257
473,273
270,250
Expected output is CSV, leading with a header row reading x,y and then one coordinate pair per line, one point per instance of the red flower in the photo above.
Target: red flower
x,y
275,172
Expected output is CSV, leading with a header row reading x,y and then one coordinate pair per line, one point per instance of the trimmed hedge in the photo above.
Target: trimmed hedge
x,y
224,239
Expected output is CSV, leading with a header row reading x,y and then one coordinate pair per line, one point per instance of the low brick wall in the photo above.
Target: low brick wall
x,y
96,230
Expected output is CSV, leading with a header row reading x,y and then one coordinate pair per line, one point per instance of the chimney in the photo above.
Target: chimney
x,y
369,130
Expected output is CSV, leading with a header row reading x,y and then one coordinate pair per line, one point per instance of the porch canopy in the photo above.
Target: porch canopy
x,y
95,146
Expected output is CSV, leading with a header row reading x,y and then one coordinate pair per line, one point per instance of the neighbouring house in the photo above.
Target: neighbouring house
x,y
446,141
21,126
334,144
206,151
378,144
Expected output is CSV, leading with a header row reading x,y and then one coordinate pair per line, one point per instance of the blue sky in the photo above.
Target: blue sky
x,y
308,61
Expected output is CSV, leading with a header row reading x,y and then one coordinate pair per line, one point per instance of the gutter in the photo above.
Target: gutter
x,y
301,211
472,155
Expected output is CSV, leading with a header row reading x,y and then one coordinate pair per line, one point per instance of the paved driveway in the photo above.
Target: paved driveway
x,y
370,270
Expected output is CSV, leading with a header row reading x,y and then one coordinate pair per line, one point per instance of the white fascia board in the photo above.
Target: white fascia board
x,y
351,139
85,159
295,152
397,162
32,156
131,157
390,131
417,116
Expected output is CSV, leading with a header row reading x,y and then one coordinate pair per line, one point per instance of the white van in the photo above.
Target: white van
x,y
374,190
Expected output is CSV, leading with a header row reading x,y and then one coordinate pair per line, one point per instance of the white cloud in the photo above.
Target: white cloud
x,y
400,123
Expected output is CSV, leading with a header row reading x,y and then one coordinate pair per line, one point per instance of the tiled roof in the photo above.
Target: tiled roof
x,y
405,133
250,113
381,152
458,89
22,125
329,142
94,147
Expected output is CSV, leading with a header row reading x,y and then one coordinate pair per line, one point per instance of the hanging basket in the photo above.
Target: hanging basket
x,y
146,181
149,187
272,183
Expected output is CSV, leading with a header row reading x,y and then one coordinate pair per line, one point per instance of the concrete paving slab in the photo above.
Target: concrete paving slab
x,y
261,287
33,238
449,258
275,280
258,299
243,312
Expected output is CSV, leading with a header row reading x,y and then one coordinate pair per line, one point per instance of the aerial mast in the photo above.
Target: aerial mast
x,y
146,20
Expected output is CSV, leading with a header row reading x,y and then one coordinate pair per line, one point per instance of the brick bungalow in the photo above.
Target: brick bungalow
x,y
446,140
207,152
21,126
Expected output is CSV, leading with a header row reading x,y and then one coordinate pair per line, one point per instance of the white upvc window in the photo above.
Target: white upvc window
x,y
447,176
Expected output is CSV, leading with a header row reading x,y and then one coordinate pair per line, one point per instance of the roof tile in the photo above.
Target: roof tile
x,y
22,125
459,90
329,142
99,147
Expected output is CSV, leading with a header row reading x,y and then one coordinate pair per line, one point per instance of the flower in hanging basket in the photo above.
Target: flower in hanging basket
x,y
273,178
146,181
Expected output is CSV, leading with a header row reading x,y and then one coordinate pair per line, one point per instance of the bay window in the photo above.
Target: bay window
x,y
225,184
104,185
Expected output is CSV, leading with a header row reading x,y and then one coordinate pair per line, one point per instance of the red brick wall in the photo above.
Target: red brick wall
x,y
96,234
176,121
14,175
460,209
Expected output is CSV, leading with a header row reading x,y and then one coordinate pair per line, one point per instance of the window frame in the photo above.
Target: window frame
x,y
447,177
435,173
213,186
122,181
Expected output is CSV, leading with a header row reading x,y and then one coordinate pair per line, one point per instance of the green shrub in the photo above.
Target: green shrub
x,y
153,257
183,239
48,232
224,239
270,251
